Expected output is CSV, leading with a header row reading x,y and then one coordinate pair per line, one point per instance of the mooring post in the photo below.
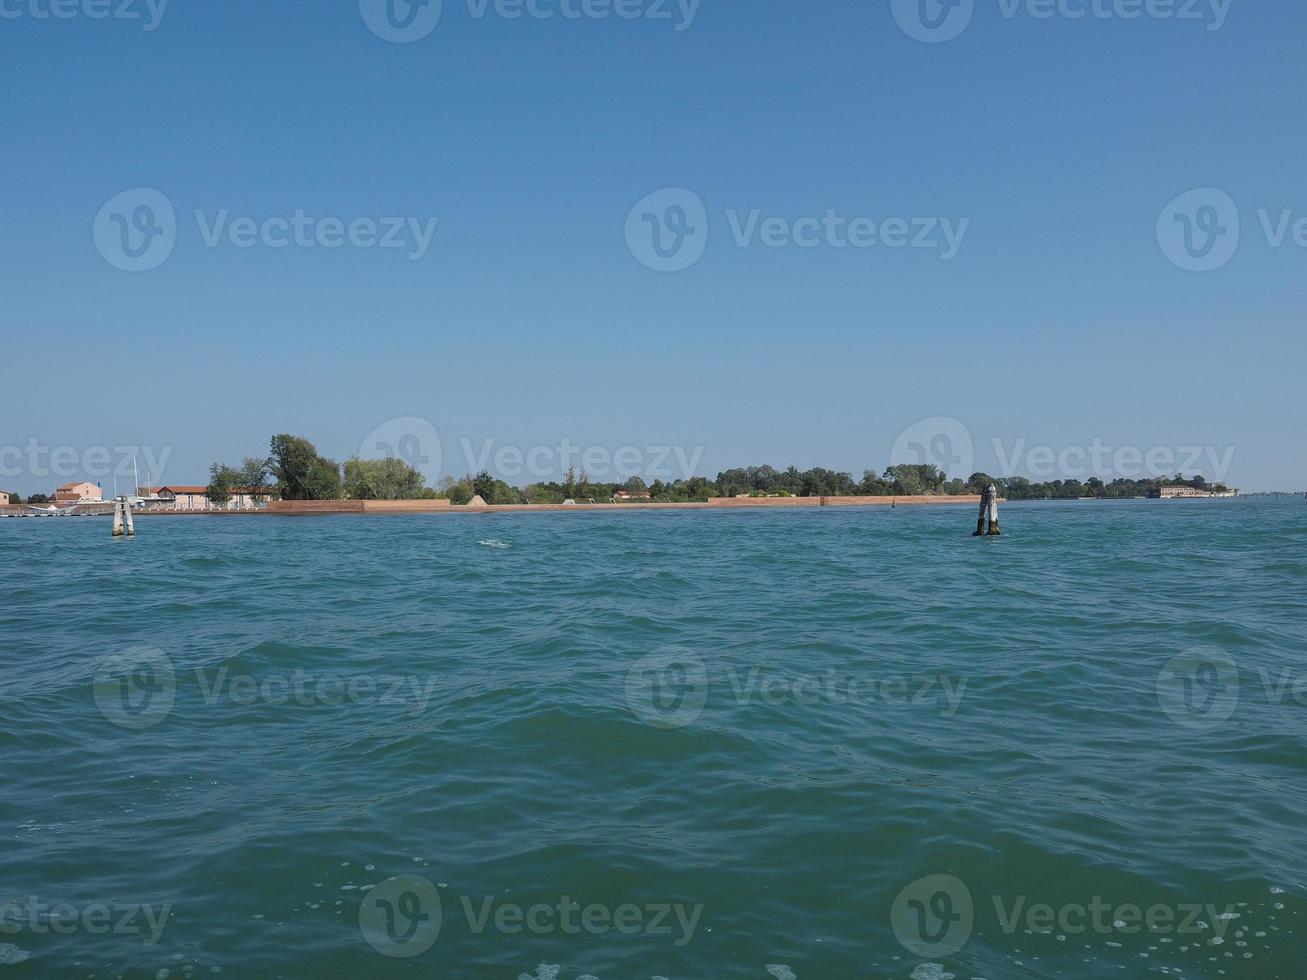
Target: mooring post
x,y
131,528
117,518
988,511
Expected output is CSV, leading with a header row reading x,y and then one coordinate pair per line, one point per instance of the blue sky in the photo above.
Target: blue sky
x,y
1058,144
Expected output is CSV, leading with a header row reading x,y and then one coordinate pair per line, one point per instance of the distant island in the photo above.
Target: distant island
x,y
295,470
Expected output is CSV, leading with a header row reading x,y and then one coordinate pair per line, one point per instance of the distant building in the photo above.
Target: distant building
x,y
73,493
4,499
632,495
193,498
1179,492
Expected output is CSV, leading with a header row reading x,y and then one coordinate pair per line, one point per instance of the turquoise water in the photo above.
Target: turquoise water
x,y
826,744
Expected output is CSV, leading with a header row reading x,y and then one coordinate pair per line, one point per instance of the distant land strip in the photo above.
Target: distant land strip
x,y
312,508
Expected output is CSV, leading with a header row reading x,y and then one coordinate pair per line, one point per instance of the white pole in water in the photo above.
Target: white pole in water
x,y
988,510
117,518
131,528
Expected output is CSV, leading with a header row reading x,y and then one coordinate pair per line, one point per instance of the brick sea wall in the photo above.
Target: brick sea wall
x,y
320,507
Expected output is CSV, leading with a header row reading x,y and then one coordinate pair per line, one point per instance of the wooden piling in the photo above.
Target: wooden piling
x,y
988,512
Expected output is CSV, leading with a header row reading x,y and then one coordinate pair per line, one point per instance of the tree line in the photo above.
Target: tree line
x,y
295,470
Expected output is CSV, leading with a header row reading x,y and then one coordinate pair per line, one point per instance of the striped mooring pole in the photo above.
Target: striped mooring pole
x,y
988,510
122,520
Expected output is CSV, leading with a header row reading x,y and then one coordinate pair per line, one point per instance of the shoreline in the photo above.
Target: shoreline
x,y
392,507
337,508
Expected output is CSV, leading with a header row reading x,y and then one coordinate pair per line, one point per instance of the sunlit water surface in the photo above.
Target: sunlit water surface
x,y
759,731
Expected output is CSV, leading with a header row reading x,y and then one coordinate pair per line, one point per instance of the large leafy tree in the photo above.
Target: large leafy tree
x,y
300,472
382,479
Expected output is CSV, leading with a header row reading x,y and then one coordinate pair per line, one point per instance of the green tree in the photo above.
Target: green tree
x,y
254,477
222,480
300,472
15,499
382,479
483,485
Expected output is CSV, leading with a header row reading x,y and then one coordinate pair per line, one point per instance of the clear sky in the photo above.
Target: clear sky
x,y
1064,312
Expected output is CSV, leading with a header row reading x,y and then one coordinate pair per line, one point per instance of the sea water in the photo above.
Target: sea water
x,y
803,745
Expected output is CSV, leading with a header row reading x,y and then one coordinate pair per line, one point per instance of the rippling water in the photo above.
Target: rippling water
x,y
823,744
